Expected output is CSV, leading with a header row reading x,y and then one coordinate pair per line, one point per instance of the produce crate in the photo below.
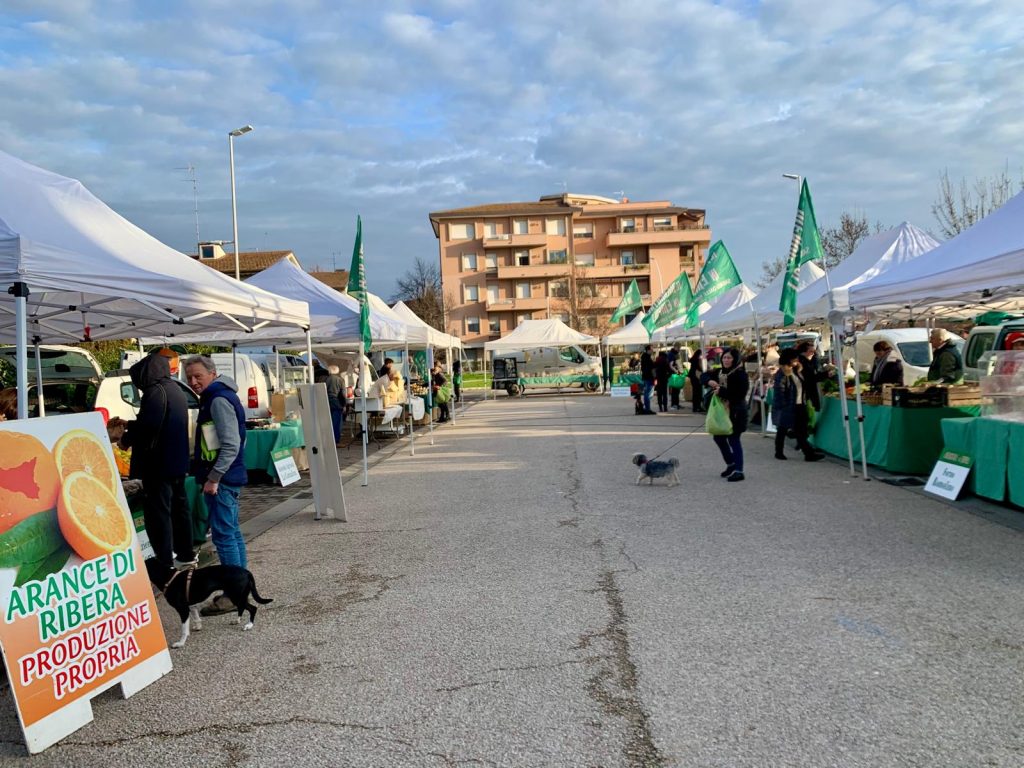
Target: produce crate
x,y
931,396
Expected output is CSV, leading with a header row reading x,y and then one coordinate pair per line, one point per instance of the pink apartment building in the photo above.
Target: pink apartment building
x,y
568,256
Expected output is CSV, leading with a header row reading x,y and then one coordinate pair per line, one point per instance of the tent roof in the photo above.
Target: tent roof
x,y
531,334
632,332
420,331
737,297
85,265
334,316
984,261
764,304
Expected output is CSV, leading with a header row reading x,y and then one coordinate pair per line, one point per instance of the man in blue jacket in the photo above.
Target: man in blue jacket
x,y
219,464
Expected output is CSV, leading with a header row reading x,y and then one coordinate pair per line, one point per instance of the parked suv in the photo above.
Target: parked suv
x,y
982,341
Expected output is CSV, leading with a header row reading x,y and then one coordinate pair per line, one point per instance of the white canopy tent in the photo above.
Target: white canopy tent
x,y
763,305
982,266
79,271
420,333
737,297
534,334
632,332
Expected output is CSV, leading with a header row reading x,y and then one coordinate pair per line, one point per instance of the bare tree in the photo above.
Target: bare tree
x,y
583,300
420,289
959,207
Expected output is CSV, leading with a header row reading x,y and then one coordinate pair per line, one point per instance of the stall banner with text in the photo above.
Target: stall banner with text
x,y
79,614
949,475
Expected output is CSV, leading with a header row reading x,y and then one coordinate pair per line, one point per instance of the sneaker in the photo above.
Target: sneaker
x,y
813,456
735,477
780,456
729,469
184,565
219,606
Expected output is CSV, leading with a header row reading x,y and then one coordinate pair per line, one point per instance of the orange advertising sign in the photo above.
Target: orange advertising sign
x,y
77,613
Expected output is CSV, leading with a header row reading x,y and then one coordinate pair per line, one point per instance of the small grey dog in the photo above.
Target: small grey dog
x,y
652,469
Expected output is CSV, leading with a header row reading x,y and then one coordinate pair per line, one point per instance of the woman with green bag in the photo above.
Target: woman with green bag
x,y
730,386
791,406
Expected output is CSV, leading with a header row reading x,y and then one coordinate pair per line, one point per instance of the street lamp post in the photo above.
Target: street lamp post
x,y
234,211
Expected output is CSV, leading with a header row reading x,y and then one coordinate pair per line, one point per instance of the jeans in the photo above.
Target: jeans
x,y
227,536
168,518
336,417
732,451
648,386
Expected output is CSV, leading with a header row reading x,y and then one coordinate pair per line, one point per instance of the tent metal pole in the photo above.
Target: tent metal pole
x,y
408,401
843,405
20,293
39,379
309,356
361,362
277,369
142,350
451,375
760,376
860,416
430,383
234,361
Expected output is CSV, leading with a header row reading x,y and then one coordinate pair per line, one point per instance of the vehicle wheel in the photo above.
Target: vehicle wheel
x,y
588,387
512,390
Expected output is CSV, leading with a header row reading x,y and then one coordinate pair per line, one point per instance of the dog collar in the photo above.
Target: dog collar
x,y
188,582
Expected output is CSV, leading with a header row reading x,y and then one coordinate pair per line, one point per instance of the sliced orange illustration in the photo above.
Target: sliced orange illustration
x,y
91,518
81,451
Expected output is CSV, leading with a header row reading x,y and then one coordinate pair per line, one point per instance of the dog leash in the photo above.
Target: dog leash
x,y
677,442
188,582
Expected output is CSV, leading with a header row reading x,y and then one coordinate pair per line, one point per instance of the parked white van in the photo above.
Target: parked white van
x,y
910,346
982,341
249,375
550,363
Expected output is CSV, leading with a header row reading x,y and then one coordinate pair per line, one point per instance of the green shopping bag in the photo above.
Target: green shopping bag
x,y
718,421
812,417
676,381
444,394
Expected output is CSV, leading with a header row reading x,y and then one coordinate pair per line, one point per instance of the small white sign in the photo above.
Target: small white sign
x,y
949,475
284,463
620,391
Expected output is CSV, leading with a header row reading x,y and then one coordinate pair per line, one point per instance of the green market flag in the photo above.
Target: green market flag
x,y
806,246
671,305
631,302
717,276
357,286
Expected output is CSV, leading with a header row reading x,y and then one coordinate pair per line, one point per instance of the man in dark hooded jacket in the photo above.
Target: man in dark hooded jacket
x,y
159,442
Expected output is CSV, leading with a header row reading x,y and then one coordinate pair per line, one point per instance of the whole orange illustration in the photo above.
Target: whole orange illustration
x,y
29,481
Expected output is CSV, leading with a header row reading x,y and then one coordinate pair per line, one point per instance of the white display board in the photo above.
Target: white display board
x,y
321,452
949,475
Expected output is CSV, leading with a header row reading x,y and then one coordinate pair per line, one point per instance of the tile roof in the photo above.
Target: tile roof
x,y
503,209
338,280
249,262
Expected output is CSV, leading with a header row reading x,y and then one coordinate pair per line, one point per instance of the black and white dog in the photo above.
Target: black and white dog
x,y
189,591
652,469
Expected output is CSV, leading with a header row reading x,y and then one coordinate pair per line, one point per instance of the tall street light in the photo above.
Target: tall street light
x,y
234,212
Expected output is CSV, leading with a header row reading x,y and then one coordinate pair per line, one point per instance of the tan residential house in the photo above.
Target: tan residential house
x,y
567,256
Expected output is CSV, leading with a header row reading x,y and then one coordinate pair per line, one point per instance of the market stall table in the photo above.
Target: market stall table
x,y
260,444
559,381
995,445
899,440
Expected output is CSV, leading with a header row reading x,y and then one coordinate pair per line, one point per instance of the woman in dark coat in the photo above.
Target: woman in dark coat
x,y
886,369
695,375
789,406
662,370
731,383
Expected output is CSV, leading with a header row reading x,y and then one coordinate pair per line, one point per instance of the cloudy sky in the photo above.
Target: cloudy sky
x,y
392,110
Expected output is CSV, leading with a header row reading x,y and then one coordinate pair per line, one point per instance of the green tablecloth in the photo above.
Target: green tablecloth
x,y
260,443
558,381
900,440
996,446
629,378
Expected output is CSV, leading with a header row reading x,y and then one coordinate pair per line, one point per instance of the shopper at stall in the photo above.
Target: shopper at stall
x,y
647,377
731,383
385,370
662,370
946,367
886,368
457,380
694,374
810,371
158,439
335,399
789,407
218,461
8,404
677,367
438,380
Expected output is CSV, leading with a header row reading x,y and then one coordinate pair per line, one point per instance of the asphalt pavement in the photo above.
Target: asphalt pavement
x,y
509,597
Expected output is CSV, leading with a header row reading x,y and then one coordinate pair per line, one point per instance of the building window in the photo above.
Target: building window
x,y
522,258
472,325
627,225
521,227
558,288
494,325
588,321
490,229
461,231
558,257
563,316
469,262
580,231
522,290
492,294
471,293
626,258
584,259
207,252
555,226
524,316
490,261
662,222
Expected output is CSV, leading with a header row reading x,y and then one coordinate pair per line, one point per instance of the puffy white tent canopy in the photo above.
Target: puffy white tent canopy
x,y
632,332
737,297
533,334
981,263
334,316
875,255
85,266
764,304
421,334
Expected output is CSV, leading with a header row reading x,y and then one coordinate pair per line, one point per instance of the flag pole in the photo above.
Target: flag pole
x,y
362,398
843,405
408,401
430,385
451,376
860,416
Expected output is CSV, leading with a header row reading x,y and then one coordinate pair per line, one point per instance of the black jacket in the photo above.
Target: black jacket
x,y
947,367
811,373
886,371
734,386
662,370
159,435
646,367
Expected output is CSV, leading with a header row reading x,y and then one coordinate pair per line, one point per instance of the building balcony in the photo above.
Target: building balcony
x,y
535,240
533,271
659,236
518,305
615,270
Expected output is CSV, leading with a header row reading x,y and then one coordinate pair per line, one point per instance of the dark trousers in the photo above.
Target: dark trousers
x,y
673,394
337,416
800,429
661,387
732,451
168,518
697,396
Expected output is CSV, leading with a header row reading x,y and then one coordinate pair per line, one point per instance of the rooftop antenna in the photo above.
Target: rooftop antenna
x,y
620,194
191,171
